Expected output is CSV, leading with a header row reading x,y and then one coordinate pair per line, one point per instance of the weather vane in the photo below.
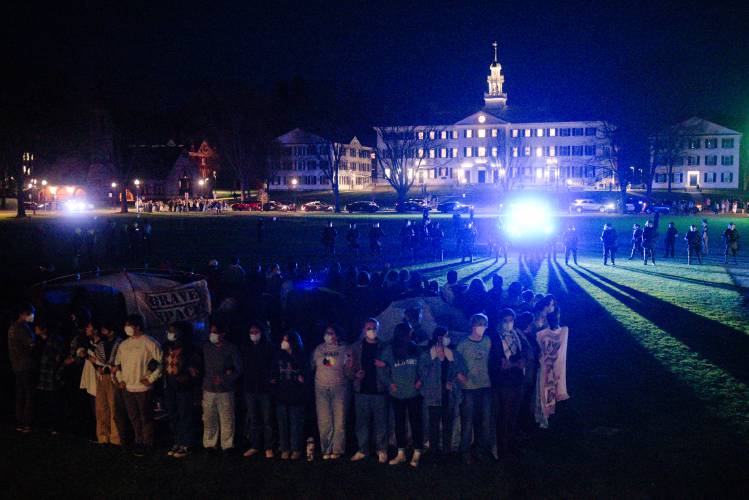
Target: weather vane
x,y
495,45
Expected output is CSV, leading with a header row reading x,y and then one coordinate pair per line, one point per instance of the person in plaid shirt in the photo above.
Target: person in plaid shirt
x,y
49,382
108,399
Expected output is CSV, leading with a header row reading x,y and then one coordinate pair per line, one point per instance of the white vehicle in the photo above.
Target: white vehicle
x,y
588,205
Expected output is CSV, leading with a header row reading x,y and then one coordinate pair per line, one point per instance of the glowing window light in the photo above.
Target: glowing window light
x,y
539,152
482,133
495,152
515,152
514,132
469,133
482,119
482,152
539,132
70,189
527,132
387,172
552,132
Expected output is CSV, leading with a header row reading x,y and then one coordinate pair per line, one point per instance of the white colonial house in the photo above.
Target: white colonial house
x,y
303,159
702,154
504,145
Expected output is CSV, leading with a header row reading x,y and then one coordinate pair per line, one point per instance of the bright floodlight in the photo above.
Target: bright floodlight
x,y
76,205
529,220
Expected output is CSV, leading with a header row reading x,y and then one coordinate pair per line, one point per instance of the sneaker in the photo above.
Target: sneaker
x,y
268,453
181,452
171,451
358,456
334,456
251,452
382,457
296,455
415,458
326,456
400,458
285,455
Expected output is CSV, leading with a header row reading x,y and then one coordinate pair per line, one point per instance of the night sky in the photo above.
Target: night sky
x,y
576,59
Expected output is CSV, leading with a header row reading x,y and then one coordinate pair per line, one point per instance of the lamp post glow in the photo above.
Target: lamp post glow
x,y
294,182
137,194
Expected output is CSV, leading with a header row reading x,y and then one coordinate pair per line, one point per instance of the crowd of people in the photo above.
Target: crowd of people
x,y
289,388
199,204
645,242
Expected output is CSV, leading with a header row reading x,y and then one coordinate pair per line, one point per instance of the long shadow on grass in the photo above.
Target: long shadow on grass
x,y
722,345
440,267
686,279
476,273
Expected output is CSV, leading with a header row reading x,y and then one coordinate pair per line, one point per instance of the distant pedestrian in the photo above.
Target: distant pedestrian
x,y
21,345
570,244
694,244
671,234
731,242
608,238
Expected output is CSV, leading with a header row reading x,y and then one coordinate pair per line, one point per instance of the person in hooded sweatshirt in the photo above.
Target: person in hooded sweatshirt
x,y
370,401
331,391
288,381
257,360
402,374
182,367
439,390
222,367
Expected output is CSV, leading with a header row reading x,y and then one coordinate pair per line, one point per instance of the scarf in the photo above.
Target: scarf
x,y
510,343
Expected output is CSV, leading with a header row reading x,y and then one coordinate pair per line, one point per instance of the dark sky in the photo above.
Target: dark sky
x,y
576,58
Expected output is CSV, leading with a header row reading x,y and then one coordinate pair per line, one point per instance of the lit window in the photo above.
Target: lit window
x,y
421,152
455,153
552,132
514,132
443,153
527,151
469,133
539,152
495,152
482,133
455,134
515,152
494,132
552,151
431,134
539,173
482,152
539,132
443,134
420,135
527,132
432,153
468,152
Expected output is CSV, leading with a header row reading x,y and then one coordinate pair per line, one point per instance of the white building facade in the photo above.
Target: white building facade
x,y
304,157
706,157
496,146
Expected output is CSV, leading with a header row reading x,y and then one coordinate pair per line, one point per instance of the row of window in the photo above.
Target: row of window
x,y
710,160
707,177
552,151
313,180
710,143
322,149
322,164
553,132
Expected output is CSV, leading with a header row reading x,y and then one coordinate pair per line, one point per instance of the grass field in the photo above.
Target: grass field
x,y
657,372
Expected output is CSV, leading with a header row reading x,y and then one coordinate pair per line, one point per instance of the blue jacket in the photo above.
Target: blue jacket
x,y
432,378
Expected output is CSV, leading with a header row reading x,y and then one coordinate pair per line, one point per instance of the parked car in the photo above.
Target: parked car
x,y
412,205
362,206
453,207
589,205
276,206
661,207
246,206
316,206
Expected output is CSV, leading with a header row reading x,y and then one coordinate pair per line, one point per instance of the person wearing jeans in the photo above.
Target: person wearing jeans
x,y
21,343
181,372
473,375
222,367
49,382
257,359
439,390
369,392
138,366
331,392
288,380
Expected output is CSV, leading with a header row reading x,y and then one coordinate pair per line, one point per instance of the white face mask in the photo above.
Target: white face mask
x,y
213,338
255,338
479,330
371,334
445,341
129,331
328,338
285,345
171,336
30,318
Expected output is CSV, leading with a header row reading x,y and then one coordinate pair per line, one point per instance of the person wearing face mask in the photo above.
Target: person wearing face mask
x,y
439,390
222,368
182,367
107,402
369,392
138,363
49,382
331,392
289,384
473,375
257,360
507,361
89,378
77,404
21,344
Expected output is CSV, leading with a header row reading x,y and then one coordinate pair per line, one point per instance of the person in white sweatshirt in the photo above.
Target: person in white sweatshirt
x,y
138,366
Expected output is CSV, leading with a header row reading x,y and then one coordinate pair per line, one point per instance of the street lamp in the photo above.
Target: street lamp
x,y
294,182
137,194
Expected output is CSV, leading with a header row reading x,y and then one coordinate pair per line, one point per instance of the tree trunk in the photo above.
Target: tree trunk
x,y
402,193
243,189
337,198
623,194
123,198
21,209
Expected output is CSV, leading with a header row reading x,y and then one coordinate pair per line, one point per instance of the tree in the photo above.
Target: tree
x,y
402,152
611,161
666,150
330,154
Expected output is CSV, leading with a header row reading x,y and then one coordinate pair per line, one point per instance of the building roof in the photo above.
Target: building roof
x,y
156,161
699,126
299,136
